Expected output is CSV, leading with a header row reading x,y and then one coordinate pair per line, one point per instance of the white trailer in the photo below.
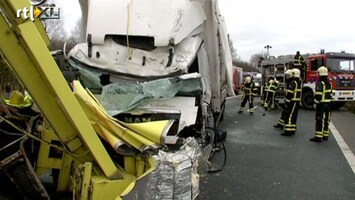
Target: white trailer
x,y
158,43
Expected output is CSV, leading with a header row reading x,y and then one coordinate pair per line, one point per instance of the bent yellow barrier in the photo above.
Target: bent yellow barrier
x,y
141,136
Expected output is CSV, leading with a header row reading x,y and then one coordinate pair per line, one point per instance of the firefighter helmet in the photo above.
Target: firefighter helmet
x,y
16,98
322,71
288,72
248,79
296,73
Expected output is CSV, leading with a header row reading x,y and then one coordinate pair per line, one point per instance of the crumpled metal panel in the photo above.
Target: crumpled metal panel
x,y
114,58
165,20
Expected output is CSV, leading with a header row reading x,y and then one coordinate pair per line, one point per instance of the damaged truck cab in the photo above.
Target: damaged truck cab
x,y
151,70
167,55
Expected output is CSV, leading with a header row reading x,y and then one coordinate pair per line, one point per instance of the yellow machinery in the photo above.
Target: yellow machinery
x,y
71,138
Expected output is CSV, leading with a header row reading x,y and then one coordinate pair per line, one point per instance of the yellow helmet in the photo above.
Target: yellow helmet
x,y
248,79
296,73
322,71
16,98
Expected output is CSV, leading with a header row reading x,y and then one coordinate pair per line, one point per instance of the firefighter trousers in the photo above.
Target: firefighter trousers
x,y
269,100
247,98
322,120
284,114
291,117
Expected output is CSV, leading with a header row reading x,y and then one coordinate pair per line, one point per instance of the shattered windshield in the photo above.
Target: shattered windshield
x,y
341,64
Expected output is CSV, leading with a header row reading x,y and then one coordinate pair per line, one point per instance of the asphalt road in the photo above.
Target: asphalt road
x,y
263,165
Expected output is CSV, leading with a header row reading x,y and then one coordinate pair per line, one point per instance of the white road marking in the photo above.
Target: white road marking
x,y
343,146
236,96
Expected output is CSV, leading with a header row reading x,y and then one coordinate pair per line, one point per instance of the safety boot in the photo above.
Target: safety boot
x,y
315,139
278,126
325,138
239,112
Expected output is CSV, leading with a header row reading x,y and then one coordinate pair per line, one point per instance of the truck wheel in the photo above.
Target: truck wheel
x,y
307,99
337,105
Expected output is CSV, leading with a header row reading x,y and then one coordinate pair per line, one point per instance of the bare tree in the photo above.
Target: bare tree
x,y
256,58
56,32
232,49
74,36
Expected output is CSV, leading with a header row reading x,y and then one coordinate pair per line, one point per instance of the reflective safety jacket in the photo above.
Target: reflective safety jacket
x,y
293,90
323,92
298,61
248,88
271,87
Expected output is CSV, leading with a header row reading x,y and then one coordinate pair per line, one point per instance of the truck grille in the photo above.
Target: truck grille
x,y
346,83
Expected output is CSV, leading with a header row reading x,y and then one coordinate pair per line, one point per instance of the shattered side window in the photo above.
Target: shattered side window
x,y
89,78
162,88
120,97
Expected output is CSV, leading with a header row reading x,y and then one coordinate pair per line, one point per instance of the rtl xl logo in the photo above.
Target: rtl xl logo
x,y
39,10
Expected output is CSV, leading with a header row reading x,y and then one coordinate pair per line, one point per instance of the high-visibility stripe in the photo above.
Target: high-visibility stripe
x,y
290,129
281,122
290,116
319,134
326,94
297,93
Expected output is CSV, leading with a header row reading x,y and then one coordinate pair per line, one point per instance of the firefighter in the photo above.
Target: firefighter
x,y
269,100
293,100
286,111
299,63
248,95
263,94
322,100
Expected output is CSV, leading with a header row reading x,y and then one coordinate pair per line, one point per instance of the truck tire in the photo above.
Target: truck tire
x,y
307,99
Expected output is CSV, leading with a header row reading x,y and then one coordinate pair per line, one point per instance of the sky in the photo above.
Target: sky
x,y
287,26
70,12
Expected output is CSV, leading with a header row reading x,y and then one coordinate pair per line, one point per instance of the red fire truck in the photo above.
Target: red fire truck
x,y
237,79
341,68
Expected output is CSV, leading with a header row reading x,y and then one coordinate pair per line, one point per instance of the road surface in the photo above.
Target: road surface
x,y
263,165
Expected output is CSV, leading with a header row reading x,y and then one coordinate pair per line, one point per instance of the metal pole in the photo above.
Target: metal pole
x,y
267,47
